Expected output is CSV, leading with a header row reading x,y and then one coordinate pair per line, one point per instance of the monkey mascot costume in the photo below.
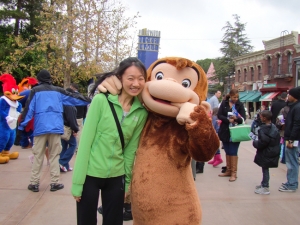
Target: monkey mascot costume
x,y
178,129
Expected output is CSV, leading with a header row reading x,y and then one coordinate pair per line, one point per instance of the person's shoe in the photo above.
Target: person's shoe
x,y
199,167
70,169
224,168
63,169
258,186
284,188
33,187
218,160
56,187
262,191
127,215
213,160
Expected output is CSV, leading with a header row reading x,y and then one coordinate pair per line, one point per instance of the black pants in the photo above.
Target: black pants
x,y
112,195
266,177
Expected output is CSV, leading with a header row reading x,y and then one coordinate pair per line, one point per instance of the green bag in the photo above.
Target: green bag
x,y
240,133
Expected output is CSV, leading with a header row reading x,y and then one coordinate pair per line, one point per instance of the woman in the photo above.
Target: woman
x,y
101,163
68,146
237,116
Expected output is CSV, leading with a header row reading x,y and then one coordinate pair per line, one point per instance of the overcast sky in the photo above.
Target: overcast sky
x,y
193,28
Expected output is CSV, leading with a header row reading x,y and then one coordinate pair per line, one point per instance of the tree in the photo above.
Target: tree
x,y
74,39
204,63
235,43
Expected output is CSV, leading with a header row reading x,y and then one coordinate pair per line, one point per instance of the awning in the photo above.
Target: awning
x,y
254,98
242,94
247,96
268,96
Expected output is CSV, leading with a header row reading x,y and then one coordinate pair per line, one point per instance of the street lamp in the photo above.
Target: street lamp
x,y
221,82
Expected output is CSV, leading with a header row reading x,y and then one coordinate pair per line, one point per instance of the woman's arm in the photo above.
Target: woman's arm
x,y
87,138
221,113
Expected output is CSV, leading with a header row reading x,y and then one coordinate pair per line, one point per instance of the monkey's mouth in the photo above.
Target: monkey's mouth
x,y
161,101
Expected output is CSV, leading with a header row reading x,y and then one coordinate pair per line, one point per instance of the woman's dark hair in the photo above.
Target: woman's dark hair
x,y
123,66
231,93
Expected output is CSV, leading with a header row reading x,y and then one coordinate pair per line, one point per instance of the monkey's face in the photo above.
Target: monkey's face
x,y
168,85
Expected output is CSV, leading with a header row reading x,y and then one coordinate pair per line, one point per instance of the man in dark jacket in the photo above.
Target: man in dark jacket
x,y
292,137
45,105
268,150
81,112
277,106
68,146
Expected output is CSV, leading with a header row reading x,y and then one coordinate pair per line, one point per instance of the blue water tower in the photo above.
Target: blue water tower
x,y
148,46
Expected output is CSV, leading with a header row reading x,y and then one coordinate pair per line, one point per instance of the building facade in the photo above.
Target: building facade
x,y
262,76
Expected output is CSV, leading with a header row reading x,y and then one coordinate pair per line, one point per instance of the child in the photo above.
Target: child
x,y
268,150
217,160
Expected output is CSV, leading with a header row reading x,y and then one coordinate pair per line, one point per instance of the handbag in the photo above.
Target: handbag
x,y
67,133
240,133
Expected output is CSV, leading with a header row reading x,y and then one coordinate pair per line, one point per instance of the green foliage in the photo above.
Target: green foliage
x,y
205,63
72,39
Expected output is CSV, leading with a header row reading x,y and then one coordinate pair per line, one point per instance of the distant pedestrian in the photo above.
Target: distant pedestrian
x,y
214,100
292,137
45,105
217,160
268,150
81,113
277,106
237,115
68,146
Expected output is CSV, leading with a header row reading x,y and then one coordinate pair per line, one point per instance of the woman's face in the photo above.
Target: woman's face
x,y
234,98
133,81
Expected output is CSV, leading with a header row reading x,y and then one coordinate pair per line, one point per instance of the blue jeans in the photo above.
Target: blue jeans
x,y
24,142
231,148
291,160
68,149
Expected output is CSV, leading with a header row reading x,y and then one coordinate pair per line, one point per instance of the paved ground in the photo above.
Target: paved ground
x,y
223,202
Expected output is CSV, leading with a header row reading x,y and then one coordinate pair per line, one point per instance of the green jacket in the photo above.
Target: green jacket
x,y
100,150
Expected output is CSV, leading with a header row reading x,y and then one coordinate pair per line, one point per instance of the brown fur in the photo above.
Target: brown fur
x,y
163,191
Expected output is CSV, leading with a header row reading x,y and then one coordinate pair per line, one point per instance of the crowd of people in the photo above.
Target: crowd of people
x,y
275,132
108,172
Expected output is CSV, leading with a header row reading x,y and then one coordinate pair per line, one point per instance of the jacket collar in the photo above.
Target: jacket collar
x,y
136,103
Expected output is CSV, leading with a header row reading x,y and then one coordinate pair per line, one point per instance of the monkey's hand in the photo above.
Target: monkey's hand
x,y
185,110
111,84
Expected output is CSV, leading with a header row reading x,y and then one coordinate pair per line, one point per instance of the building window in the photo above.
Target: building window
x,y
259,72
252,74
269,65
239,76
279,64
245,75
289,58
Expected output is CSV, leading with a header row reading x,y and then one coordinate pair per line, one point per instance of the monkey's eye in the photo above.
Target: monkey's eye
x,y
186,83
159,76
13,91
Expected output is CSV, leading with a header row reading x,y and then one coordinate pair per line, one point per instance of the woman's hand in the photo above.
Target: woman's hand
x,y
290,145
233,117
231,120
77,198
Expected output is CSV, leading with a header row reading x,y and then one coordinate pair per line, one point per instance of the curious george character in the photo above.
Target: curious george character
x,y
178,128
10,110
